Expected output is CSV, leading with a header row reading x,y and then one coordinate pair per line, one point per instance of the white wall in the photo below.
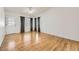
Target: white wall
x,y
2,25
62,22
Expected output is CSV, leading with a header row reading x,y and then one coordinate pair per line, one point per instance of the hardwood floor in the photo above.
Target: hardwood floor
x,y
33,41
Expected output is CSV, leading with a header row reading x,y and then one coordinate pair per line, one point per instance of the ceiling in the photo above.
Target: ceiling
x,y
24,10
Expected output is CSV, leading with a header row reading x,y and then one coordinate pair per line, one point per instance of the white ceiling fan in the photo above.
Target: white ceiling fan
x,y
30,10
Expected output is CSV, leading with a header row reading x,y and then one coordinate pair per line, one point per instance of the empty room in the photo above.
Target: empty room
x,y
39,28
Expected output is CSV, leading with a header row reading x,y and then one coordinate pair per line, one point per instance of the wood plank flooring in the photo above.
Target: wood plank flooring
x,y
33,41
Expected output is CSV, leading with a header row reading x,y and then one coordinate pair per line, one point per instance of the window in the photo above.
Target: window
x,y
10,20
